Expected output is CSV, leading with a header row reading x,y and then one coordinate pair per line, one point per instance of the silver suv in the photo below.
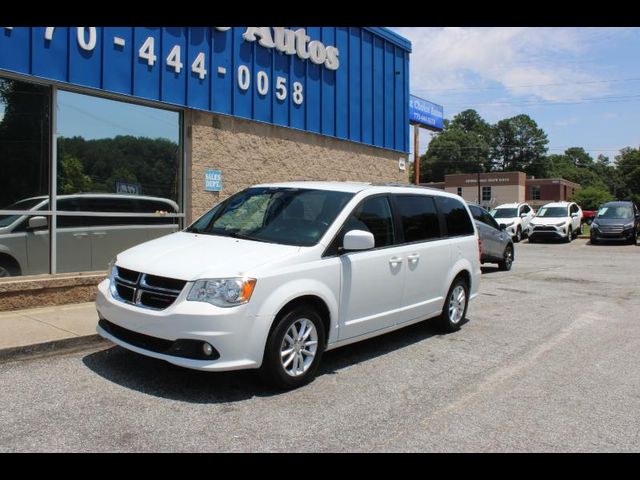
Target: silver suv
x,y
84,242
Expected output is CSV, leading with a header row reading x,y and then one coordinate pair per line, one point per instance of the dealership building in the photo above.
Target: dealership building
x,y
110,136
497,188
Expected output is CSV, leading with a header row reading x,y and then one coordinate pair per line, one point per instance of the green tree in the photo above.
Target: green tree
x,y
463,143
628,165
590,198
71,176
518,144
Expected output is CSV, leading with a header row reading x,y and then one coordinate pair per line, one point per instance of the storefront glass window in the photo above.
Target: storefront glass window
x,y
114,159
25,141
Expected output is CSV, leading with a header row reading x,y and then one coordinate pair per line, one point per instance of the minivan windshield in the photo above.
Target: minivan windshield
x,y
289,216
552,212
504,212
27,204
618,212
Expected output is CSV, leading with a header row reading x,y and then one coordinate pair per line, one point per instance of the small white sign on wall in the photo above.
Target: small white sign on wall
x,y
402,164
213,180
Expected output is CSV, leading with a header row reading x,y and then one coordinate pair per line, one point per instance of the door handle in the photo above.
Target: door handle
x,y
413,257
99,234
395,260
80,235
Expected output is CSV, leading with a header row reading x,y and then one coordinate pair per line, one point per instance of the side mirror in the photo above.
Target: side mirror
x,y
37,223
503,226
358,240
523,214
575,214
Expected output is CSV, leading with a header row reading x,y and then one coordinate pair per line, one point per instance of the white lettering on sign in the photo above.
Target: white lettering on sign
x,y
296,42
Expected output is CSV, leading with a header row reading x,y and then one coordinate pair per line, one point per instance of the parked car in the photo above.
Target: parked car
x,y
83,242
515,217
556,220
497,245
588,216
616,221
277,274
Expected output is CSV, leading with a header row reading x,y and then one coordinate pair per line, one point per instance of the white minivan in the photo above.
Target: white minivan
x,y
276,274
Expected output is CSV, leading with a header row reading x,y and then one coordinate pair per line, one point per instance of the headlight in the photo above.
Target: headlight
x,y
111,271
594,224
223,292
561,224
628,225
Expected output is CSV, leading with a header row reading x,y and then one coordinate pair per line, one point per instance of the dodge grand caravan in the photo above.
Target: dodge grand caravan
x,y
276,274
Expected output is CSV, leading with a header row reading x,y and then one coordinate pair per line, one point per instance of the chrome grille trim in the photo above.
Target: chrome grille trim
x,y
141,287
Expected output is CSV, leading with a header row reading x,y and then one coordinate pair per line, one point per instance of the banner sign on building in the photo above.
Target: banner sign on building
x,y
350,83
425,113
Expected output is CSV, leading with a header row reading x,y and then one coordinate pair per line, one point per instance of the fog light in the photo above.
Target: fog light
x,y
207,349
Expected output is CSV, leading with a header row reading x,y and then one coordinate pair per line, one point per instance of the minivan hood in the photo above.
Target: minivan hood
x,y
189,256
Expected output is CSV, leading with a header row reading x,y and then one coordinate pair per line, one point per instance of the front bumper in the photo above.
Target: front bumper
x,y
611,234
237,336
548,231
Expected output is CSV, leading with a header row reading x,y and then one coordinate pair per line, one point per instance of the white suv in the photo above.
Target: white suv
x,y
276,274
556,220
515,217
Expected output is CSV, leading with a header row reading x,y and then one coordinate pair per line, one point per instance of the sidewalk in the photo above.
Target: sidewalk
x,y
39,331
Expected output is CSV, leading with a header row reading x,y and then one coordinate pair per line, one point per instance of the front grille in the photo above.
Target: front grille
x,y
544,228
148,291
615,229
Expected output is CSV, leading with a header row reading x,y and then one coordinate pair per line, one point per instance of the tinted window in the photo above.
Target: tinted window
x,y
455,215
419,217
372,215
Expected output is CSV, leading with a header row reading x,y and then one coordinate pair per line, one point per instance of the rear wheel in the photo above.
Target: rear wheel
x,y
507,259
8,267
294,349
455,306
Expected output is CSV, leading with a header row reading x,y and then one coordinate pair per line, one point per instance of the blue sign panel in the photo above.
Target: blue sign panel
x,y
425,113
212,180
344,82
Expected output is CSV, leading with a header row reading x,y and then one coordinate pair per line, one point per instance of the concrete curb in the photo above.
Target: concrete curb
x,y
55,347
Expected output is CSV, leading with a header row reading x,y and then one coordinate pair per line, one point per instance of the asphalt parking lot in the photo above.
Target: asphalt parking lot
x,y
547,362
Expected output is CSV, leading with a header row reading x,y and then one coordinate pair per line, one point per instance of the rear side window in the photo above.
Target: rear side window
x,y
456,218
419,217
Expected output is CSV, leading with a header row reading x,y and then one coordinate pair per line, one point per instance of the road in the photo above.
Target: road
x,y
547,362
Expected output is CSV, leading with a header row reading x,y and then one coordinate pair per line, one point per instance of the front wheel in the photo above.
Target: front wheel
x,y
455,306
518,236
294,349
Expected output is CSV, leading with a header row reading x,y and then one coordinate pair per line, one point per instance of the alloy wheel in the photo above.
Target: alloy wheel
x,y
457,302
299,347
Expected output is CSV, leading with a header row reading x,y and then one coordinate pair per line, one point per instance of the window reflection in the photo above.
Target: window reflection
x,y
24,245
24,142
116,147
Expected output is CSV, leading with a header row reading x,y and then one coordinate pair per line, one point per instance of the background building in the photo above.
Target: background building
x,y
162,123
497,188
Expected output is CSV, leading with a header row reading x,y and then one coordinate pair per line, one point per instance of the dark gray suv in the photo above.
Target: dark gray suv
x,y
497,245
616,221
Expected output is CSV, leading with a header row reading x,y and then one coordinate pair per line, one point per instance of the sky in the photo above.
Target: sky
x,y
580,85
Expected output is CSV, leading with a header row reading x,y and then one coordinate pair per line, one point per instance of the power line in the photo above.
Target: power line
x,y
634,79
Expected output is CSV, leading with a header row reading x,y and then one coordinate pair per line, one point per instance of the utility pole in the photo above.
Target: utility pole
x,y
478,160
416,154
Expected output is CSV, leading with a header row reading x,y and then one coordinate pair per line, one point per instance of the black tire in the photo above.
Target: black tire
x,y
8,267
633,238
507,259
569,236
273,371
594,241
518,236
444,321
532,240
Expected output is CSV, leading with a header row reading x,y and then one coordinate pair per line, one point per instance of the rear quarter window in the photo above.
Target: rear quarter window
x,y
456,217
